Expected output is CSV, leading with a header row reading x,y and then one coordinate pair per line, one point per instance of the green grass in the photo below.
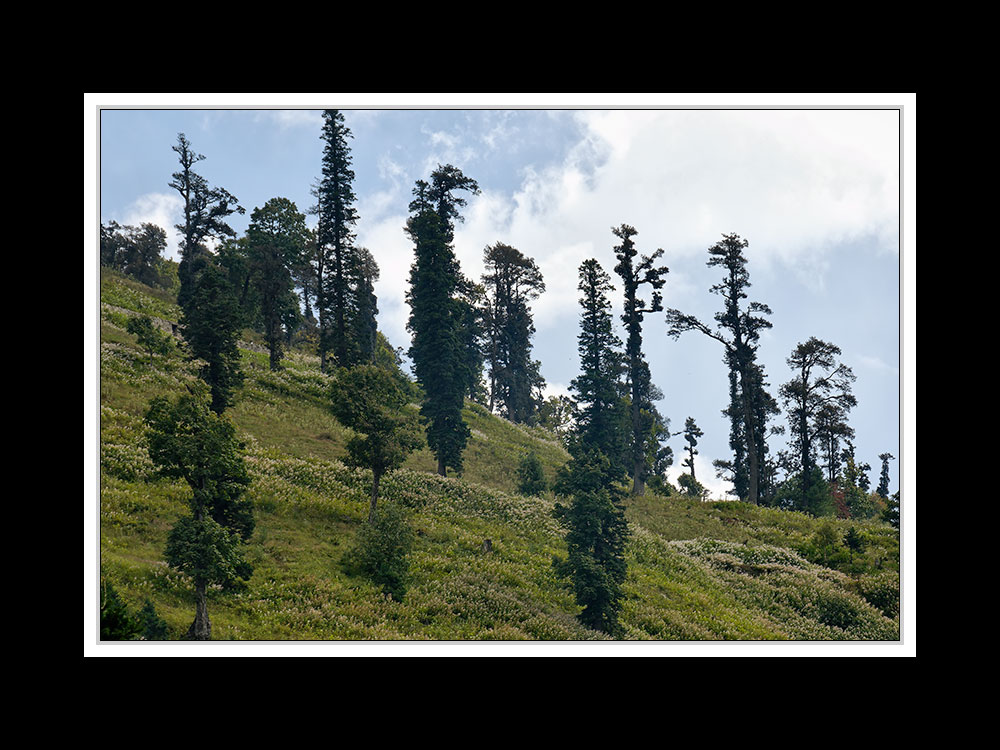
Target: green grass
x,y
697,571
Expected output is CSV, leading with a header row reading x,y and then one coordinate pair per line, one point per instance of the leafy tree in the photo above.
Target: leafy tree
x,y
883,480
150,338
738,329
186,440
370,401
641,390
382,551
602,418
276,240
596,535
691,486
557,413
691,434
206,210
136,252
511,281
820,381
438,350
530,477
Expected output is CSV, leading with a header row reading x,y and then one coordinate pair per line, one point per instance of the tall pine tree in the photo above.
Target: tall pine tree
x,y
276,240
602,419
819,382
647,425
334,260
738,329
438,348
511,281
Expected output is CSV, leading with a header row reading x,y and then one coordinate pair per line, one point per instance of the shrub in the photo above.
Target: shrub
x,y
117,623
382,551
531,479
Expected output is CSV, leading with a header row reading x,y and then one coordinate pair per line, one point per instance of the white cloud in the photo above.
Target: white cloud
x,y
293,118
163,209
793,183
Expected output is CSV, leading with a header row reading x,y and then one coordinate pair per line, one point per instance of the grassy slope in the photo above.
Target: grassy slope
x,y
696,570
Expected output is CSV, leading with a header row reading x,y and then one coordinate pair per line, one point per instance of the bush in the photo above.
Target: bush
x,y
531,479
382,551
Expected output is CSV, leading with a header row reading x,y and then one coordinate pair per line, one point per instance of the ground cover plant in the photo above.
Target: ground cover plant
x,y
477,561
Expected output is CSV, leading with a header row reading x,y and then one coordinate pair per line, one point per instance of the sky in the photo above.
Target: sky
x,y
817,193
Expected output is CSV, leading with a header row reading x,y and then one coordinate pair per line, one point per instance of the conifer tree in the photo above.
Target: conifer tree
x,y
602,417
438,348
883,480
211,327
596,535
738,329
206,210
691,434
642,393
187,441
511,281
276,241
820,380
334,261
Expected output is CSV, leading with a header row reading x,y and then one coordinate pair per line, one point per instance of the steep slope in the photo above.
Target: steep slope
x,y
696,570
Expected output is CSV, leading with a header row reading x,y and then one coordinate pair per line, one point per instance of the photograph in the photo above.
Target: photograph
x,y
499,375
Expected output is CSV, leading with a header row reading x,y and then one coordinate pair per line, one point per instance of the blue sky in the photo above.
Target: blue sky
x,y
817,192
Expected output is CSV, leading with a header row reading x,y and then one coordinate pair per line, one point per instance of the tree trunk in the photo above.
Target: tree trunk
x,y
750,435
442,469
371,507
201,628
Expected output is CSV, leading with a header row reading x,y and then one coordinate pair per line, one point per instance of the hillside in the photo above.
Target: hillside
x,y
696,571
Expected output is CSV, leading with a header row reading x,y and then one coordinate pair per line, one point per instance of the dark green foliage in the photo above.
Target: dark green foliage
x,y
596,535
154,627
556,413
205,212
601,421
854,541
117,623
150,338
211,326
382,551
438,348
691,434
691,486
891,513
364,310
371,401
530,477
136,252
738,329
812,496
641,393
276,240
338,276
883,480
511,281
186,440
820,383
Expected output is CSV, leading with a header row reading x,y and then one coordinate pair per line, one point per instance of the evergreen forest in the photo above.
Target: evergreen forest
x,y
273,468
